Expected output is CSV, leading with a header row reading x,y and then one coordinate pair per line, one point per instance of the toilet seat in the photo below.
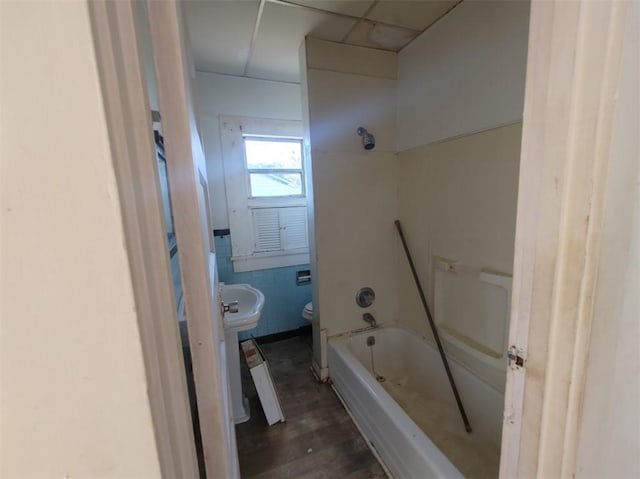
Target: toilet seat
x,y
307,312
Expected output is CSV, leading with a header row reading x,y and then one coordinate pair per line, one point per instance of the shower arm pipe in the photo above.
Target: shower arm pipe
x,y
432,323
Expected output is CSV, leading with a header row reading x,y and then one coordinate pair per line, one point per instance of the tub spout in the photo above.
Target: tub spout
x,y
368,317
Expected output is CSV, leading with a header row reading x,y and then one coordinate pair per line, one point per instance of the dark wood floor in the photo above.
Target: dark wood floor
x,y
318,439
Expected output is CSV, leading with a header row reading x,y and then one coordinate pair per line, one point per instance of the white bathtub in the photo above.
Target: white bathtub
x,y
411,418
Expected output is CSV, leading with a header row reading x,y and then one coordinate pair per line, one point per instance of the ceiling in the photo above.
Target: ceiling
x,y
261,38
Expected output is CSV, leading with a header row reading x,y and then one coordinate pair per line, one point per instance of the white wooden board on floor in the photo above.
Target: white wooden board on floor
x,y
264,383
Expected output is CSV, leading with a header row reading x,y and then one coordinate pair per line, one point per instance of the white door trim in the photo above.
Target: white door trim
x,y
119,60
572,79
185,164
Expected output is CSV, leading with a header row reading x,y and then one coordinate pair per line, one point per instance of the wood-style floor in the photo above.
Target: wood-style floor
x,y
318,439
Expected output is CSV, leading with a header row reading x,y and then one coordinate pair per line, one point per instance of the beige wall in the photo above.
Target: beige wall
x,y
609,436
355,191
457,197
74,391
464,74
457,201
460,99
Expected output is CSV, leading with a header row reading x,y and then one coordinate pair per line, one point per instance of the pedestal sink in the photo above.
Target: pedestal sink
x,y
250,302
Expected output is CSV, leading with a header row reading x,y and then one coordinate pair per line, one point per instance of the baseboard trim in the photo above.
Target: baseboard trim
x,y
272,338
321,373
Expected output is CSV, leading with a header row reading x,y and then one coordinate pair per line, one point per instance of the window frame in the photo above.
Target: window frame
x,y
240,203
249,170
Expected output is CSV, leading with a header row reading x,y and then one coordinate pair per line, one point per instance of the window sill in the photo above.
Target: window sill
x,y
256,262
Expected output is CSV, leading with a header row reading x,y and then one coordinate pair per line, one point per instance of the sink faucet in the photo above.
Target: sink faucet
x,y
368,317
231,307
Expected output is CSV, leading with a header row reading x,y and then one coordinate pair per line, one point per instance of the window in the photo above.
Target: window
x,y
266,194
274,166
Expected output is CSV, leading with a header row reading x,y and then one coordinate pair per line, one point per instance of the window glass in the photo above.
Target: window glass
x,y
273,154
275,184
274,167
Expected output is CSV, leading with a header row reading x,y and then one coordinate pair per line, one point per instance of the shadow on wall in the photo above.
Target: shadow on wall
x,y
284,299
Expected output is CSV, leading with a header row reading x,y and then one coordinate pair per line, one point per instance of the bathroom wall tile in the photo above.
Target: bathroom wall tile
x,y
284,300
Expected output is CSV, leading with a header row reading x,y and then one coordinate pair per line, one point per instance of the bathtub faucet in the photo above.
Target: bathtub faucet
x,y
368,317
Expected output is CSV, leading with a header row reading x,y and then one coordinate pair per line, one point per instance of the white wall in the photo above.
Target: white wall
x,y
609,436
227,95
144,37
74,391
464,74
355,191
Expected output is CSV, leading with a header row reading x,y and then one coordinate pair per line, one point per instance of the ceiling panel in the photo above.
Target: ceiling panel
x,y
282,29
414,14
355,8
384,37
220,33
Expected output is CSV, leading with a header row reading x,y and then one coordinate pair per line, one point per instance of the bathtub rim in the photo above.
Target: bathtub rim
x,y
410,431
425,339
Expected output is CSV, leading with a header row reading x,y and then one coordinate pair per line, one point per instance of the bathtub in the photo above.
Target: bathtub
x,y
409,413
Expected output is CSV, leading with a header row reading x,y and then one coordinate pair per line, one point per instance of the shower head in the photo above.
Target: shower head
x,y
368,140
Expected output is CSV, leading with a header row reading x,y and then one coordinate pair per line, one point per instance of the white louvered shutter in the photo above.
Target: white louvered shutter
x,y
280,229
266,229
293,224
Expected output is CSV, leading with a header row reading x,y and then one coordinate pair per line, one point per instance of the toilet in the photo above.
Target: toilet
x,y
307,312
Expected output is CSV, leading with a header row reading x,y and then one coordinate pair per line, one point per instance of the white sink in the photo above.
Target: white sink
x,y
250,301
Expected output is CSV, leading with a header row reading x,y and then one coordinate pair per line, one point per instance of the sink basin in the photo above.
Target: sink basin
x,y
250,301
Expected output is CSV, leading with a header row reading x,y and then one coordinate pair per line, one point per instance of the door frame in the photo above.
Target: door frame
x,y
120,61
127,111
187,170
573,70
